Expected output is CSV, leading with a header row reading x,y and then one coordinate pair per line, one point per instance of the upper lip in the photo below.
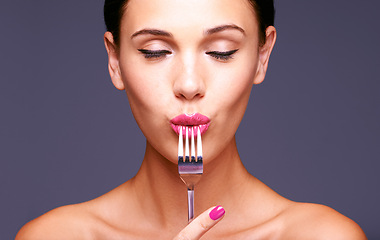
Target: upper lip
x,y
190,119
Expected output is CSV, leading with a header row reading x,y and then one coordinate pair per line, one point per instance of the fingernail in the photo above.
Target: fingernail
x,y
217,212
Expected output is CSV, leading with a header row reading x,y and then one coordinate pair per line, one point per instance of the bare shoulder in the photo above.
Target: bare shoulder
x,y
315,221
67,222
94,219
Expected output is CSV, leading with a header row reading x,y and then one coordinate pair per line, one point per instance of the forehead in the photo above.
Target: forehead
x,y
192,15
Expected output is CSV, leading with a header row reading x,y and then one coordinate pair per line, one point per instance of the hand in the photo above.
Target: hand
x,y
201,224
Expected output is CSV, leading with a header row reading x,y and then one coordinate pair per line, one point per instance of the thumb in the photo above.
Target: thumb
x,y
201,224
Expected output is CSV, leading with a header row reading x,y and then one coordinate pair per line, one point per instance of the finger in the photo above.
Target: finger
x,y
201,224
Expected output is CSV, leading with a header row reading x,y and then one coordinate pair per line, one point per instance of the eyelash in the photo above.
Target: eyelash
x,y
154,54
222,55
149,54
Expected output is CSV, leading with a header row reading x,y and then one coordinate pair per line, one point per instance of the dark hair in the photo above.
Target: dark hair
x,y
114,10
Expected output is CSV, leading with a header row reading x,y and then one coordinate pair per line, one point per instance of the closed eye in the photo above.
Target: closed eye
x,y
154,53
222,55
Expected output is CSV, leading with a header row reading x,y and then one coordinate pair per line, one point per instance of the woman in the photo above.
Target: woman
x,y
179,58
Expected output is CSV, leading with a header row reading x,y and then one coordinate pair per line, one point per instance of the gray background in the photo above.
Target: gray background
x,y
311,131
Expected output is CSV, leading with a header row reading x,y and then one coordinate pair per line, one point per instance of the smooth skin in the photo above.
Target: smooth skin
x,y
178,57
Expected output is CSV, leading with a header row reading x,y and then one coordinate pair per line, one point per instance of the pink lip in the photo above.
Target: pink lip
x,y
195,121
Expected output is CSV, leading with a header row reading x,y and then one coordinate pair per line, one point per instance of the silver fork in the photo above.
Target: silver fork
x,y
190,170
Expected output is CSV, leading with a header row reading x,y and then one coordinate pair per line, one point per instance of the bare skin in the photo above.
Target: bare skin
x,y
126,213
253,211
153,204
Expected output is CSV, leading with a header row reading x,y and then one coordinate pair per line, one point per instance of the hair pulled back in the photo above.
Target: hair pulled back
x,y
114,10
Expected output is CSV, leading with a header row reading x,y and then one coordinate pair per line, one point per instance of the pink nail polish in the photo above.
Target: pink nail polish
x,y
217,212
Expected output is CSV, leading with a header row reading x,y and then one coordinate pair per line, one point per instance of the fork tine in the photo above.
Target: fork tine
x,y
199,146
187,155
180,145
192,145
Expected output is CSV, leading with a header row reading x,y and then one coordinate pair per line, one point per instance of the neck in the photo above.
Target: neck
x,y
160,190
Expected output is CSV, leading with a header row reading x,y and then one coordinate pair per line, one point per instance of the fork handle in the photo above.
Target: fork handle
x,y
190,204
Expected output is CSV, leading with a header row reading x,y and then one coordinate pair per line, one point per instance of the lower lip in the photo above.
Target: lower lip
x,y
203,128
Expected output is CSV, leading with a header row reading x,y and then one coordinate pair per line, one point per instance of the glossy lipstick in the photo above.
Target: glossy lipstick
x,y
195,120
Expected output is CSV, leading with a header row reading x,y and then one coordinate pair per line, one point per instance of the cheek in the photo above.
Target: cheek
x,y
234,85
146,88
148,93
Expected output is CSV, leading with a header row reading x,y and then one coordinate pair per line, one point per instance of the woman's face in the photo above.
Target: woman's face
x,y
184,57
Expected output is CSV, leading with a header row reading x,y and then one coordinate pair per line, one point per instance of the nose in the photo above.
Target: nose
x,y
188,81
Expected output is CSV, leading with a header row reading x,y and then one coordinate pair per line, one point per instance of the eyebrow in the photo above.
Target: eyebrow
x,y
155,32
210,31
223,28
